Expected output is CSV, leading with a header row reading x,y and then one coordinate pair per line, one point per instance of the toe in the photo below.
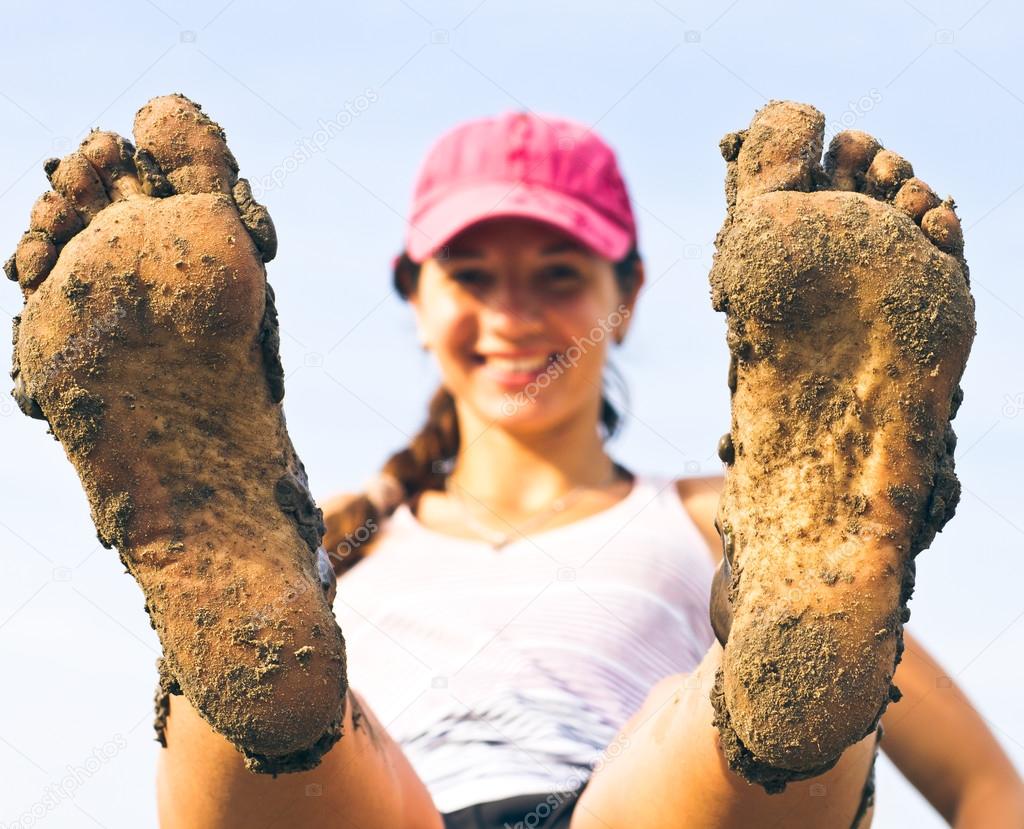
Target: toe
x,y
780,151
942,226
886,175
34,258
186,145
114,162
849,155
915,198
77,181
53,215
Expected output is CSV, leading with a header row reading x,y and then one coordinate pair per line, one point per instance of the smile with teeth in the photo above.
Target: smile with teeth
x,y
514,370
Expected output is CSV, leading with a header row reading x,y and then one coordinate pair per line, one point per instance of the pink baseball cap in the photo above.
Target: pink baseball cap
x,y
521,164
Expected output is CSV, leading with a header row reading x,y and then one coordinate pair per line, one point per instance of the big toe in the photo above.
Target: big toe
x,y
188,146
781,150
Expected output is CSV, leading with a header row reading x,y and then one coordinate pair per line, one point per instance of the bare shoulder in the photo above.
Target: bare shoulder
x,y
338,502
700,496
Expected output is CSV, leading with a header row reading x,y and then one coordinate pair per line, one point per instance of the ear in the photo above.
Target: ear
x,y
629,301
421,334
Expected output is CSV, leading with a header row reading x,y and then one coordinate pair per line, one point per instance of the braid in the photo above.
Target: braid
x,y
423,464
420,466
408,472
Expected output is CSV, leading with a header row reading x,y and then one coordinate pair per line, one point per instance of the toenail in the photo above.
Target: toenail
x,y
958,398
726,450
256,220
720,610
730,145
325,572
154,182
25,402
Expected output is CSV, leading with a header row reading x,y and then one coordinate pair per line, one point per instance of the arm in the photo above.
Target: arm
x,y
958,765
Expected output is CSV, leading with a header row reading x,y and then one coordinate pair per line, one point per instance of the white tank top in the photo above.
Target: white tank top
x,y
504,673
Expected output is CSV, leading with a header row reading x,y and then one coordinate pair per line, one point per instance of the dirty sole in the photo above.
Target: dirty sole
x,y
148,341
849,325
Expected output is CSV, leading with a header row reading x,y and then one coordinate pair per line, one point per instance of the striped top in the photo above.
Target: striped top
x,y
504,673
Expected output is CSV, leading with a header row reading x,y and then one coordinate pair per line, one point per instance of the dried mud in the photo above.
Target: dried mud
x,y
848,333
150,346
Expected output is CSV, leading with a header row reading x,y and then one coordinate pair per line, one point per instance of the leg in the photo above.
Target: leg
x,y
148,342
671,772
363,782
850,321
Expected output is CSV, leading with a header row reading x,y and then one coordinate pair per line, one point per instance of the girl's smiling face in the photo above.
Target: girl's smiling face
x,y
519,316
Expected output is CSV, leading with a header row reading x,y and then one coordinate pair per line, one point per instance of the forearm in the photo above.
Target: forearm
x,y
960,769
991,803
202,781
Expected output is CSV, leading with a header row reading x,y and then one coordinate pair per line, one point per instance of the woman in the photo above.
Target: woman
x,y
527,620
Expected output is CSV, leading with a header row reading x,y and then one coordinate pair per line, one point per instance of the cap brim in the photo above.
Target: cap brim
x,y
432,229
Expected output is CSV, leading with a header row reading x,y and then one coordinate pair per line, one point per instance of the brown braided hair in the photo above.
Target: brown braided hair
x,y
425,462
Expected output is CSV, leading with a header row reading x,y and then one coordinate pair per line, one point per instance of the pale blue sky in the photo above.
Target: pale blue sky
x,y
662,80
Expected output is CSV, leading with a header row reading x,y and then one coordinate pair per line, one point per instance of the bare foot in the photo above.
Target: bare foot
x,y
849,323
148,341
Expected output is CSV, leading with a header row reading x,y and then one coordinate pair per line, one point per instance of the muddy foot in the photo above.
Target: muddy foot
x,y
148,341
849,326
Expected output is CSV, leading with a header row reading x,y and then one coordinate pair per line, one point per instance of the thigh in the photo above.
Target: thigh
x,y
363,782
668,772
